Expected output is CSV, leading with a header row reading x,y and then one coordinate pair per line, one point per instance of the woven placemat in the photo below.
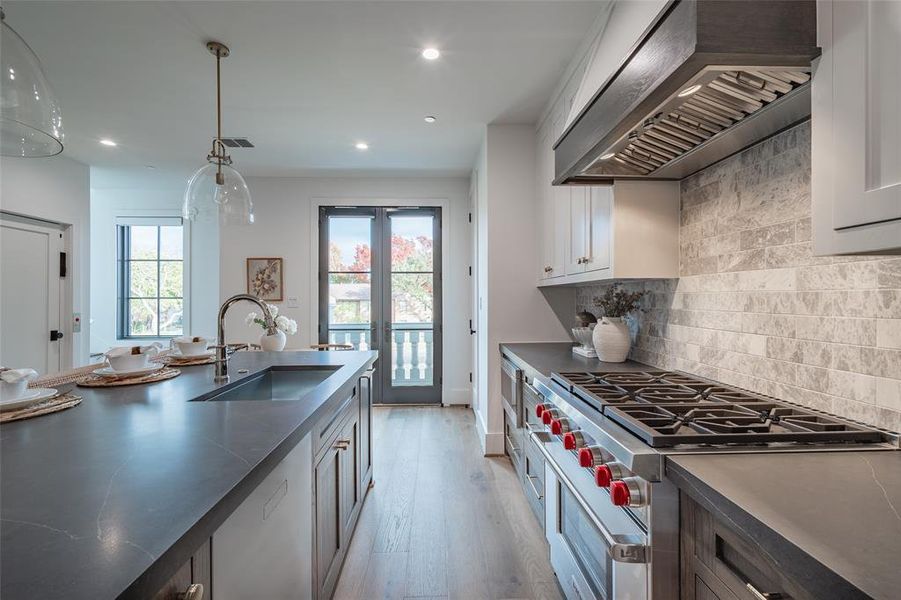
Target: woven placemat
x,y
55,404
163,374
185,361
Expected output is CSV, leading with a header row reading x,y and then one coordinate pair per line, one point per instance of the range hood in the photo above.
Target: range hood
x,y
706,80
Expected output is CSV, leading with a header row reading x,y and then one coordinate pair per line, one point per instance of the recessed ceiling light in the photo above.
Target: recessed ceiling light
x,y
430,119
362,146
151,167
108,142
431,53
607,156
689,90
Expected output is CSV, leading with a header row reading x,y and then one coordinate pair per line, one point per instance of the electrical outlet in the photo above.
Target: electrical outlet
x,y
293,303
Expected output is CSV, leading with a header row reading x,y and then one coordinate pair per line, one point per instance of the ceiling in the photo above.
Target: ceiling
x,y
305,81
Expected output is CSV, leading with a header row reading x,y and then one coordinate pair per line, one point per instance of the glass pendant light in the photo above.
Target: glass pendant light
x,y
216,191
30,121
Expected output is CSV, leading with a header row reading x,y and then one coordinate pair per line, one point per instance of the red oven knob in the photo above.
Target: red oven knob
x,y
548,415
539,408
560,426
573,440
592,455
627,492
619,493
602,476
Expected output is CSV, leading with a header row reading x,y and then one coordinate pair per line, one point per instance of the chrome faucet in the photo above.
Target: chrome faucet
x,y
222,351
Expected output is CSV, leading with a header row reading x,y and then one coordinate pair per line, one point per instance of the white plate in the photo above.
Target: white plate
x,y
110,372
31,397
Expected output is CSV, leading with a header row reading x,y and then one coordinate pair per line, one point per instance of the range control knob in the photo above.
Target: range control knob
x,y
607,473
626,492
573,440
560,426
539,408
593,455
548,415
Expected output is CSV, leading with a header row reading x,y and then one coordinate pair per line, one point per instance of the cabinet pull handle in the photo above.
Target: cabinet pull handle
x,y
194,592
531,479
762,595
342,444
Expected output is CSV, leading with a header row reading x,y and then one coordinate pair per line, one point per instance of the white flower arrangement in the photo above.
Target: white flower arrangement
x,y
283,323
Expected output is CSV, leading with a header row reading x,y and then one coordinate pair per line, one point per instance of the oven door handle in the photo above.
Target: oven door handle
x,y
620,549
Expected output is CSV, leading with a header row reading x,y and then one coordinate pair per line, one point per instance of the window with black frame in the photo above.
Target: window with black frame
x,y
151,277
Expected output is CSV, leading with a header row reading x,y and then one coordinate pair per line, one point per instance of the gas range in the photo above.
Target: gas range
x,y
667,409
605,437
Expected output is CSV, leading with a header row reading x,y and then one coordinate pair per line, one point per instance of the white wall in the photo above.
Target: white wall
x,y
285,226
156,196
57,189
511,308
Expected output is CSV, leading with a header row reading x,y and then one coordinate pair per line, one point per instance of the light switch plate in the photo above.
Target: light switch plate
x,y
293,303
76,322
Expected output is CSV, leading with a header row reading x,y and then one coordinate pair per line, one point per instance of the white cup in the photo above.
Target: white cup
x,y
191,346
122,359
11,390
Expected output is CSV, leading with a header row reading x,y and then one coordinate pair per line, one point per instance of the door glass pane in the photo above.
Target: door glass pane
x,y
349,299
350,248
412,297
411,243
586,542
412,357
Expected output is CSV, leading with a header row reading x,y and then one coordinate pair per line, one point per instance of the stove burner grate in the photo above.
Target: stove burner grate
x,y
665,425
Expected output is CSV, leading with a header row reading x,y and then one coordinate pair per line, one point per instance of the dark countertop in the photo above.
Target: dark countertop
x,y
545,358
110,497
831,520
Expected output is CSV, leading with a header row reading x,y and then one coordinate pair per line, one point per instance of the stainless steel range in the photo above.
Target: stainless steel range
x,y
611,516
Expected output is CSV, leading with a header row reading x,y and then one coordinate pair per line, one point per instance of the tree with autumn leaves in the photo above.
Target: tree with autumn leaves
x,y
411,281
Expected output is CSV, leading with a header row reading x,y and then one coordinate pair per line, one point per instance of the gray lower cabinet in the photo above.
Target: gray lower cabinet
x,y
720,564
339,490
195,572
525,455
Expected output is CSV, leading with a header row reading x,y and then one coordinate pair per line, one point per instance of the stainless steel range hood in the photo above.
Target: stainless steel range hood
x,y
708,79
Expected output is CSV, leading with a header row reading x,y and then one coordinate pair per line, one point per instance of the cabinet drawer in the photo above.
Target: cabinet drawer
x,y
325,431
533,478
723,558
530,400
513,442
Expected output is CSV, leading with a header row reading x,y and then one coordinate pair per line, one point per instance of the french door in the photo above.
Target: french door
x,y
380,289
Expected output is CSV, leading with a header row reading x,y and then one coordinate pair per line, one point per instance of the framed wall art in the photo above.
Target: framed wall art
x,y
265,279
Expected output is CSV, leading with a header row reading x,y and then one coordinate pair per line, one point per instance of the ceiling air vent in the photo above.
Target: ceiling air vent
x,y
237,142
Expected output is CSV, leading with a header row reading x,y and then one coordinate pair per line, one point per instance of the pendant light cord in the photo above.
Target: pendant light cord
x,y
219,177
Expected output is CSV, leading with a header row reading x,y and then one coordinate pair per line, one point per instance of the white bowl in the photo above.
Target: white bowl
x,y
188,347
128,362
13,390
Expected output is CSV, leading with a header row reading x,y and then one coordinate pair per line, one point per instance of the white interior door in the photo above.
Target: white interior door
x,y
29,295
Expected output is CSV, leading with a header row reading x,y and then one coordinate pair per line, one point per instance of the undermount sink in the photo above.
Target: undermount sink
x,y
276,384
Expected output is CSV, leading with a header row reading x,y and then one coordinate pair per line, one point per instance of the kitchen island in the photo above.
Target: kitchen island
x,y
111,497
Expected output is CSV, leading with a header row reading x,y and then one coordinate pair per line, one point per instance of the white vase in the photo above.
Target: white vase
x,y
275,342
611,340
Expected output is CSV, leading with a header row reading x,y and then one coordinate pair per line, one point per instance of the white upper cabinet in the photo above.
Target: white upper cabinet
x,y
856,128
628,230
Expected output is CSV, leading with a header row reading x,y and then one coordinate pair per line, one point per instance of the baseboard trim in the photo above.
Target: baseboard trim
x,y
492,443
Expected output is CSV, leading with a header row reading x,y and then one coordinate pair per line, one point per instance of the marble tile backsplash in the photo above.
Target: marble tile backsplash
x,y
755,308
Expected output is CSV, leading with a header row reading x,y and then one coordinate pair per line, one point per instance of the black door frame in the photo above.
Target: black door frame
x,y
380,325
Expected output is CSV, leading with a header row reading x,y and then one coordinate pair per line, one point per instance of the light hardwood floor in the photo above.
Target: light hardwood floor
x,y
443,521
